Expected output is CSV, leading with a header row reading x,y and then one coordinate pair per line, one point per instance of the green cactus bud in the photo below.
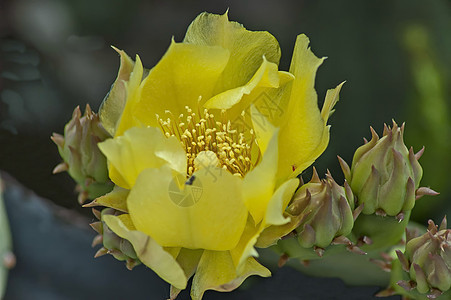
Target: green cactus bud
x,y
385,175
118,247
427,260
326,212
82,158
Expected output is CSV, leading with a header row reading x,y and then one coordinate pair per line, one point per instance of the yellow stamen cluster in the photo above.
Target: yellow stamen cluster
x,y
202,132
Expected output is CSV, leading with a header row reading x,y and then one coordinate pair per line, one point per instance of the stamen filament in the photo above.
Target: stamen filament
x,y
202,132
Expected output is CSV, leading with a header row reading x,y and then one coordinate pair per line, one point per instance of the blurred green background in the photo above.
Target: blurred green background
x,y
394,54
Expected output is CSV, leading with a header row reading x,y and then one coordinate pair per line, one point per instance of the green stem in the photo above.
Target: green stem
x,y
385,232
336,262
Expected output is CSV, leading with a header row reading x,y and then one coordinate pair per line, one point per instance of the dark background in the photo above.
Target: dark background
x,y
395,56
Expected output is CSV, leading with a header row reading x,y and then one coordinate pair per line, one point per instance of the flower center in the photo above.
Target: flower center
x,y
203,132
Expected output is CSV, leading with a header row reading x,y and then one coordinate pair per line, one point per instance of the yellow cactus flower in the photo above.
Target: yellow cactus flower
x,y
206,149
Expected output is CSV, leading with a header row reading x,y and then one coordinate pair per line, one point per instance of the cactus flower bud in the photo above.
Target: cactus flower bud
x,y
120,248
326,212
384,174
427,260
82,158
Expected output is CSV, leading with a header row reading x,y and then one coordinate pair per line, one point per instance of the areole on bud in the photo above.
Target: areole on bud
x,y
385,175
82,158
326,213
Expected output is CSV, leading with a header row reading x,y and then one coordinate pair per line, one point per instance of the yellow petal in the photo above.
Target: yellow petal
x,y
266,76
205,212
185,74
174,251
279,201
259,184
139,149
133,94
126,221
246,47
304,135
112,106
258,189
273,102
272,234
150,253
116,199
264,130
188,259
245,247
261,96
277,224
332,97
273,215
216,271
250,267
